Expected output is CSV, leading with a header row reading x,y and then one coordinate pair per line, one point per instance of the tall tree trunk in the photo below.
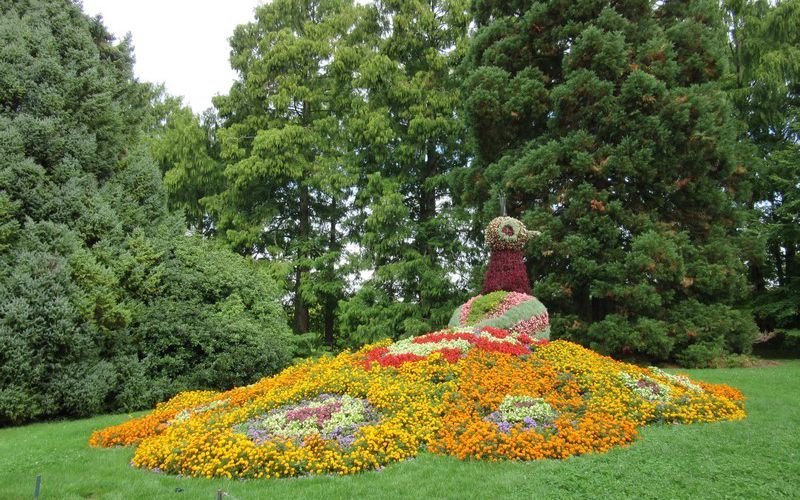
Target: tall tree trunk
x,y
792,267
429,193
427,211
330,300
329,318
300,308
427,197
301,320
757,277
777,258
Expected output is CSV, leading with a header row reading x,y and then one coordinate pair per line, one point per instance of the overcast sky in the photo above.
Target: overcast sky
x,y
181,43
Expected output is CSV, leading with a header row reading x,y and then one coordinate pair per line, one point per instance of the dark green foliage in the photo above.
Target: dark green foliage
x,y
409,292
765,87
49,354
777,305
340,129
284,164
105,304
606,125
203,318
187,158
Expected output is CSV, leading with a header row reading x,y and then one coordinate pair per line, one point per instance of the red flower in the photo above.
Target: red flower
x,y
450,354
506,272
440,336
398,359
498,333
504,347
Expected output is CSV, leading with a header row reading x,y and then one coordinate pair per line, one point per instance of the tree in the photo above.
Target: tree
x,y
779,307
408,139
763,42
189,161
97,281
606,126
281,142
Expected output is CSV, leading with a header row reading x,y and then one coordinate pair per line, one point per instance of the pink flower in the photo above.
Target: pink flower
x,y
465,310
533,325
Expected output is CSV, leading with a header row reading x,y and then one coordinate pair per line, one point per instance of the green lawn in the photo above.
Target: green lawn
x,y
756,458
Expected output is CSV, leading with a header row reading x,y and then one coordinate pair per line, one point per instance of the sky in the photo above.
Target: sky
x,y
181,43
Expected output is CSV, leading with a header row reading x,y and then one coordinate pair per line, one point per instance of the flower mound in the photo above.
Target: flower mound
x,y
486,394
518,312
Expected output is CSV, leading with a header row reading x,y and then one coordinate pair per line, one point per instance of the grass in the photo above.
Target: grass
x,y
755,458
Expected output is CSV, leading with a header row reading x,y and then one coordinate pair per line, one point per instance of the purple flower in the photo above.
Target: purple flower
x,y
504,427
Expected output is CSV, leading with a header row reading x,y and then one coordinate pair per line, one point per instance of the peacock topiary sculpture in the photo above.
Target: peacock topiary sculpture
x,y
505,301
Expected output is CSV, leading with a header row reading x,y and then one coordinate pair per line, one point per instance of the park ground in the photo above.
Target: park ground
x,y
755,458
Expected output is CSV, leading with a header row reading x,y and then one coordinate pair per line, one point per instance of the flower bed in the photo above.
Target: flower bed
x,y
488,394
524,412
332,417
451,344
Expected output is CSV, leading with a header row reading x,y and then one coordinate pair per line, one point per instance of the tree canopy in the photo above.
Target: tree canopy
x,y
608,128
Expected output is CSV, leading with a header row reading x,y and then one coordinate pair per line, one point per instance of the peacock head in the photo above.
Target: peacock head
x,y
507,233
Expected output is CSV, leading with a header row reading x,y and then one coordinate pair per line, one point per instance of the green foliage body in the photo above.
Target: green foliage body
x,y
607,127
286,171
409,139
340,129
105,303
189,161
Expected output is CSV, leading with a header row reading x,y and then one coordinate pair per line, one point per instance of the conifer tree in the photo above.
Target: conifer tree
x,y
189,160
605,125
281,142
764,43
105,303
409,143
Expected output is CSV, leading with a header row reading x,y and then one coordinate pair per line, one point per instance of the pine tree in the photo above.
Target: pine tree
x,y
282,146
606,126
409,141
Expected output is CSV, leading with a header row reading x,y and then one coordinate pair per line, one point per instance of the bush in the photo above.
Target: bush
x,y
76,338
49,356
216,321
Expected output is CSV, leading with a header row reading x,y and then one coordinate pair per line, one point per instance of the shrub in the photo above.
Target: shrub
x,y
216,321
